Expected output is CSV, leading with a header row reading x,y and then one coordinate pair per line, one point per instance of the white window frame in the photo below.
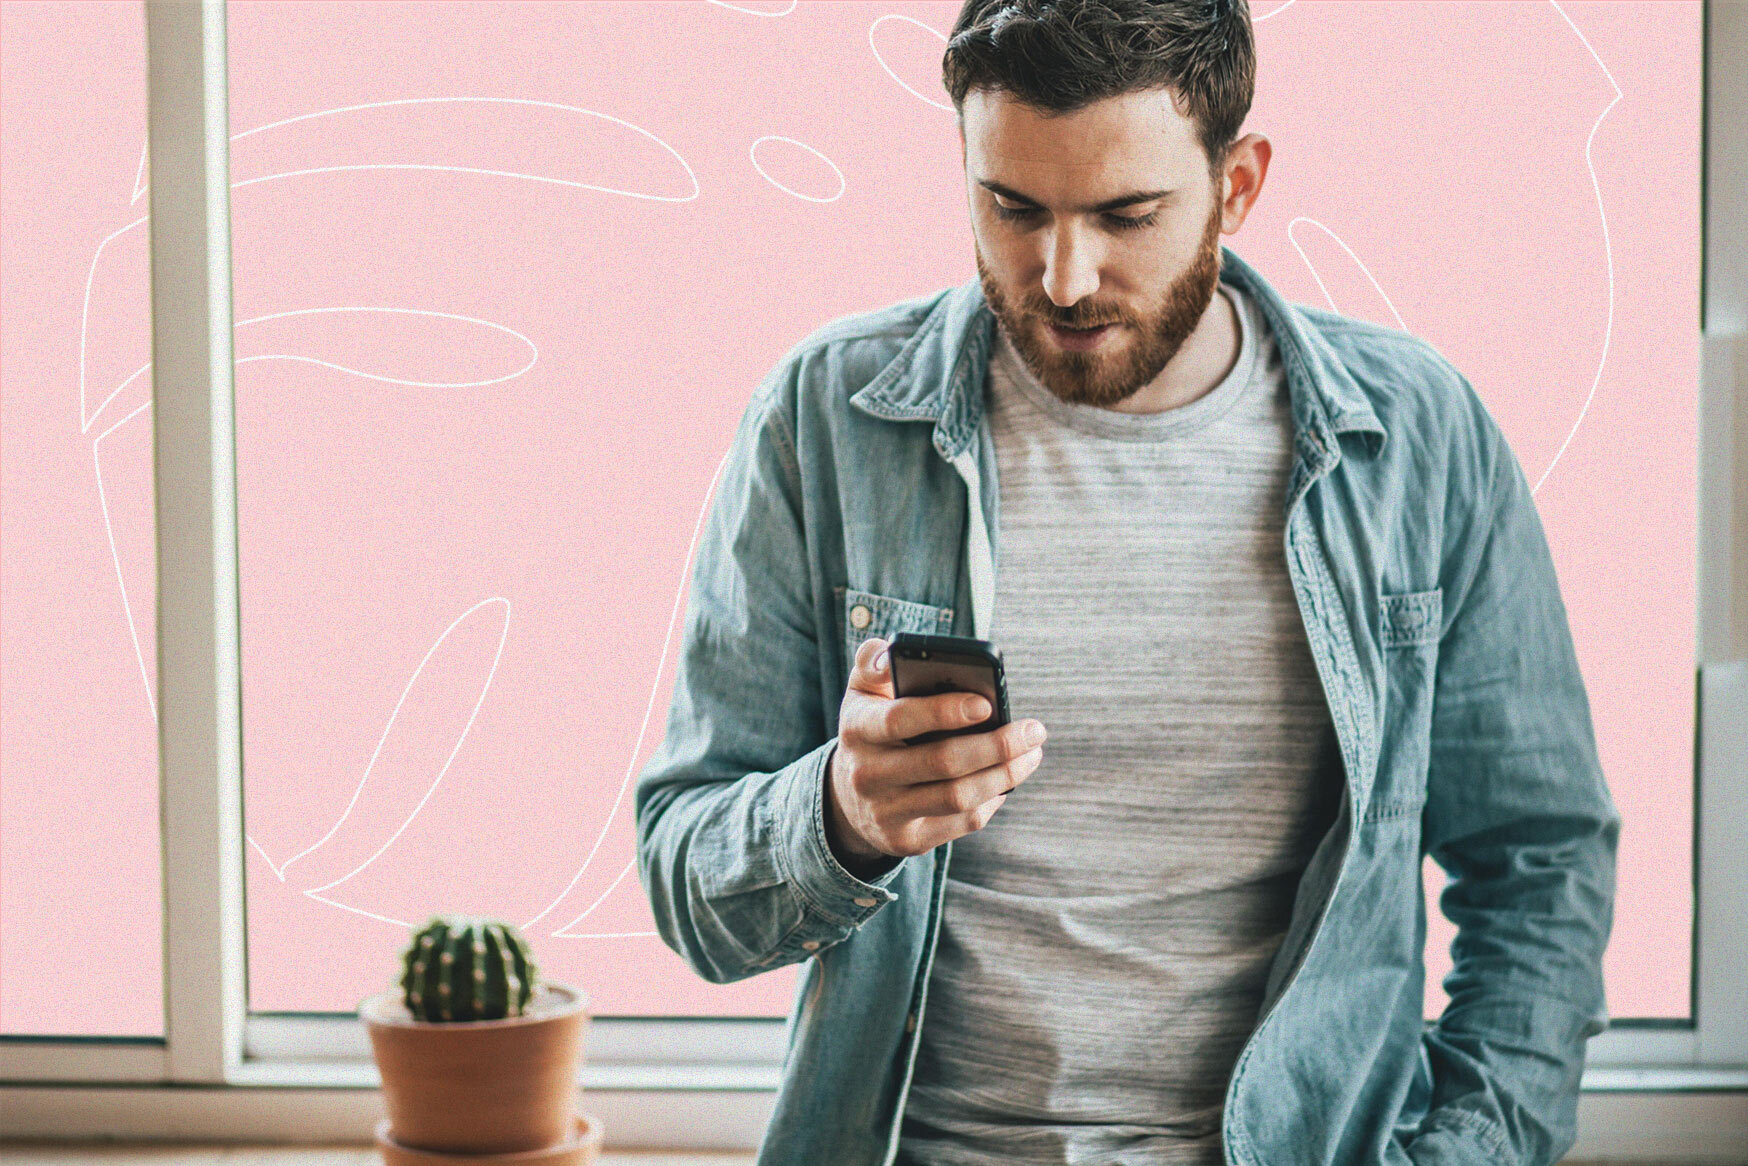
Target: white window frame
x,y
1670,1092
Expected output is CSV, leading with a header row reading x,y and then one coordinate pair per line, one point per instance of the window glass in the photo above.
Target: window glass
x,y
81,886
506,276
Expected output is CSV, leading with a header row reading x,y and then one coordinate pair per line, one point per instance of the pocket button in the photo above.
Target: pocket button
x,y
860,616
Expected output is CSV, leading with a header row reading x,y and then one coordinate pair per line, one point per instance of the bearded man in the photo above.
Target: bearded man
x,y
1273,584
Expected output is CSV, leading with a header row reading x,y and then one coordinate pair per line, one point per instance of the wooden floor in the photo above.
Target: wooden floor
x,y
166,1154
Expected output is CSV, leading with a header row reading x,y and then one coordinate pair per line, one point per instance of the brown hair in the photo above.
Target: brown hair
x,y
1058,56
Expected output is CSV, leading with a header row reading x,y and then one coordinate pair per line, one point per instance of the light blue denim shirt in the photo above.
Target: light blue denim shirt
x,y
859,498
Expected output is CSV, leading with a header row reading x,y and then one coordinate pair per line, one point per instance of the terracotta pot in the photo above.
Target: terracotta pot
x,y
480,1086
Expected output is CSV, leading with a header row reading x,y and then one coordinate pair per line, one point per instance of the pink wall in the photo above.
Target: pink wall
x,y
505,277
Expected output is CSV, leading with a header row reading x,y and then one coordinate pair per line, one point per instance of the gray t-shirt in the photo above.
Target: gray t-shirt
x,y
1107,936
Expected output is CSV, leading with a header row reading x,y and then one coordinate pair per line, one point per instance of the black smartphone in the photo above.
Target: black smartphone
x,y
924,665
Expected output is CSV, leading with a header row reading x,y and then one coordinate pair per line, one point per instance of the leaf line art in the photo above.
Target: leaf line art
x,y
88,417
1607,248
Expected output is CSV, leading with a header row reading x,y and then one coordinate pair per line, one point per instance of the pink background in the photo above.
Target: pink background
x,y
481,403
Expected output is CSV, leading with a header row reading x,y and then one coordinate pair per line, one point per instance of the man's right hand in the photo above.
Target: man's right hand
x,y
888,799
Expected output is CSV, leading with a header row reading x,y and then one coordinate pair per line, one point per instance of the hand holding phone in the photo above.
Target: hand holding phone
x,y
891,793
926,665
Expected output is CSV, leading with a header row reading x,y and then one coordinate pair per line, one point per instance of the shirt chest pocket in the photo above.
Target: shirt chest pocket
x,y
868,614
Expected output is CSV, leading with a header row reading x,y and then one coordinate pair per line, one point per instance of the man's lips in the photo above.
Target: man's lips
x,y
1080,338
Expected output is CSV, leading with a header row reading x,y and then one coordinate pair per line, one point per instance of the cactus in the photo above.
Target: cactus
x,y
459,968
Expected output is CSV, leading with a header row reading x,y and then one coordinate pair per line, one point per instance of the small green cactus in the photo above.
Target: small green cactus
x,y
459,967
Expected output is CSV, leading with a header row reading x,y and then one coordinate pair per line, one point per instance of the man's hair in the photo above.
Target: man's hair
x,y
1058,56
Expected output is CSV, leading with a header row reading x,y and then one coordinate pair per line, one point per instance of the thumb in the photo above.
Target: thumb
x,y
873,671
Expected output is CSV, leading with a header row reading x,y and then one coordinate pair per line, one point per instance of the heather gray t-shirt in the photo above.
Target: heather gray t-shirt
x,y
1106,937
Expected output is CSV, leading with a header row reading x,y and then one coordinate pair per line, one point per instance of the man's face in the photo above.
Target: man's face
x,y
1148,268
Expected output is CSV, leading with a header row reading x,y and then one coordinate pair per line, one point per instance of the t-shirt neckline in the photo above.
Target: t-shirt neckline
x,y
1101,422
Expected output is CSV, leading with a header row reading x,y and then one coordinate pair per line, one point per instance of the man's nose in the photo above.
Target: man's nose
x,y
1071,265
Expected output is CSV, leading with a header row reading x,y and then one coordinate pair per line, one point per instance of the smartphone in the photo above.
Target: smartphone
x,y
924,665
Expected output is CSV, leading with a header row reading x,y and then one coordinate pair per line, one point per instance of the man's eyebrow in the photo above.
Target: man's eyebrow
x,y
1110,204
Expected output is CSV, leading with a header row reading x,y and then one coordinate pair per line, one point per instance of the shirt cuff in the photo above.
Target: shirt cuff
x,y
820,879
1454,1137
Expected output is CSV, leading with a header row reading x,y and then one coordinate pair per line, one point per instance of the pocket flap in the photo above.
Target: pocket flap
x,y
1412,617
868,614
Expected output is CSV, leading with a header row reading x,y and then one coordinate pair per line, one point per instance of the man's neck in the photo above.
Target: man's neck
x,y
1206,356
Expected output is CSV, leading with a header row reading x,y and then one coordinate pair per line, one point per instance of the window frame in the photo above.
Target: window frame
x,y
1672,1090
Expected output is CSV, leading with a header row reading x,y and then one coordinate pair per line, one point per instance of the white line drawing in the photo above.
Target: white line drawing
x,y
472,169
882,60
1273,12
87,419
649,706
562,932
503,636
115,556
1607,249
140,187
85,424
532,359
753,153
1356,261
755,11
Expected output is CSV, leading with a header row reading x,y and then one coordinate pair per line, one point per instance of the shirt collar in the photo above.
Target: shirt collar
x,y
939,373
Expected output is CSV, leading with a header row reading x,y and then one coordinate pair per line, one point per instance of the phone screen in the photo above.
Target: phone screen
x,y
933,676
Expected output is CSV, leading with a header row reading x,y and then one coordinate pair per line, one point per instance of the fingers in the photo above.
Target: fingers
x,y
889,724
912,798
876,726
956,797
900,720
955,757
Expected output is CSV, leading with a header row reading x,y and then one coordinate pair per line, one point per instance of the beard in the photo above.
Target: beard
x,y
1098,377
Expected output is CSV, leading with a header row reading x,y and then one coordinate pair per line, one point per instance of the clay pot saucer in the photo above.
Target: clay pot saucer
x,y
583,1148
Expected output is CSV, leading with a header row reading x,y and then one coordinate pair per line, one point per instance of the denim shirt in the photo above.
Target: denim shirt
x,y
859,498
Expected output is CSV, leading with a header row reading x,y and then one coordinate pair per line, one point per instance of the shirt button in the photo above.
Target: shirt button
x,y
811,944
910,1023
866,902
860,617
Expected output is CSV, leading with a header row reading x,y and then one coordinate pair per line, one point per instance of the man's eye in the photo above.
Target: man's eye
x,y
1133,222
1120,222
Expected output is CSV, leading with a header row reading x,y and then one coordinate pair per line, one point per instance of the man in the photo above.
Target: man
x,y
1274,583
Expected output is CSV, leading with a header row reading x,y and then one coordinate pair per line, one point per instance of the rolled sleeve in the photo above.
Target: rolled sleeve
x,y
1520,818
731,846
1456,1137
